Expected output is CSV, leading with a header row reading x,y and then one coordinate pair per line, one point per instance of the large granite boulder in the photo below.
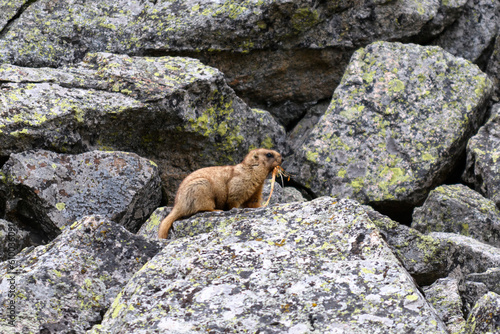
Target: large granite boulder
x,y
271,51
67,285
396,125
176,111
459,209
48,191
319,266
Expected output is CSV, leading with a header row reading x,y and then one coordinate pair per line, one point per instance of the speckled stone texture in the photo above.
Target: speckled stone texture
x,y
176,111
483,151
478,284
271,50
444,296
473,33
424,257
66,285
459,209
293,268
396,125
50,191
485,316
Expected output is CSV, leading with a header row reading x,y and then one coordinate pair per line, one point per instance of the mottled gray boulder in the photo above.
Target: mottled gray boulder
x,y
483,151
485,316
176,111
271,50
473,33
66,286
466,255
424,257
444,295
459,209
395,127
318,266
49,191
12,240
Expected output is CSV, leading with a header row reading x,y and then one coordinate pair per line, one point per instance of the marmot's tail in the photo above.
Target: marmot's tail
x,y
167,223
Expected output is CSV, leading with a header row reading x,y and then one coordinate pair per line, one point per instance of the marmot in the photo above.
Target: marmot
x,y
223,187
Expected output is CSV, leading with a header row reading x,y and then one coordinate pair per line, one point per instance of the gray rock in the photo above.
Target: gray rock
x,y
150,227
485,316
395,127
50,191
65,286
491,278
483,151
12,240
424,257
300,132
473,33
444,295
318,266
176,111
493,67
291,194
274,51
466,255
479,284
458,209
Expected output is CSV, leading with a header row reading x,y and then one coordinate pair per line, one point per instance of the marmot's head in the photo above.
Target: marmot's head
x,y
263,157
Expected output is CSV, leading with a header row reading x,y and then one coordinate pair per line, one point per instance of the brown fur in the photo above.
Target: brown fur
x,y
222,188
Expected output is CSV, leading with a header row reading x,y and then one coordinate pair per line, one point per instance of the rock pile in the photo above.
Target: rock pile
x,y
386,113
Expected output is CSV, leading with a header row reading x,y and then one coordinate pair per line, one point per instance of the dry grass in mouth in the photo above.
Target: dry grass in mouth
x,y
278,170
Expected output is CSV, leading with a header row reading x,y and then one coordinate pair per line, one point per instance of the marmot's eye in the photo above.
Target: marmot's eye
x,y
269,155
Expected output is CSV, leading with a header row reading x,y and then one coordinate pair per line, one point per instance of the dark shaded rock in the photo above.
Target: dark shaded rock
x,y
49,191
296,267
493,67
396,125
458,209
483,151
66,286
12,240
176,111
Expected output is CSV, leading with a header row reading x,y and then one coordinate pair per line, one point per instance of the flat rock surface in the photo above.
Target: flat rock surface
x,y
396,125
294,267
